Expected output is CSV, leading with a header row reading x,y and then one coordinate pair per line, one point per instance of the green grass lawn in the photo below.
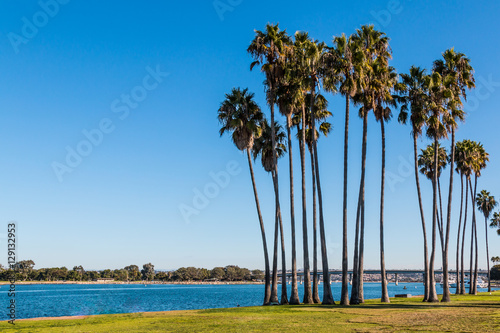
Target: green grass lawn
x,y
464,314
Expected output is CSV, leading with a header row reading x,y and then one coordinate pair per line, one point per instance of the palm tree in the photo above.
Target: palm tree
x,y
436,106
288,97
263,147
385,78
486,203
343,68
412,100
320,113
426,160
426,164
477,157
269,49
310,54
374,47
464,170
241,116
465,161
315,51
495,222
455,66
301,40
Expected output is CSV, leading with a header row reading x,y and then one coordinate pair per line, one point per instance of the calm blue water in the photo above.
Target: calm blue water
x,y
72,299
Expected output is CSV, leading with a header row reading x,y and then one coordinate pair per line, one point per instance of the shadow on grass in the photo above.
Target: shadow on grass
x,y
401,305
396,303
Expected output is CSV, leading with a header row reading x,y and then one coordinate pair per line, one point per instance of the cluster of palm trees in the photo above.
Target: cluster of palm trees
x,y
296,72
470,158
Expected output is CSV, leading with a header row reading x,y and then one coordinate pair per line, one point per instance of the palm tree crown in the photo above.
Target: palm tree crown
x,y
426,161
240,115
495,222
263,145
485,203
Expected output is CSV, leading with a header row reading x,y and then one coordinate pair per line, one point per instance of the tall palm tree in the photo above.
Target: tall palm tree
x,y
301,40
240,115
465,161
385,78
477,160
457,67
374,47
412,98
321,114
263,147
486,203
269,49
315,51
343,69
495,222
436,106
463,170
289,97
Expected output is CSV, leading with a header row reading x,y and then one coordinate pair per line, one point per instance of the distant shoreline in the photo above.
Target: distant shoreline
x,y
134,282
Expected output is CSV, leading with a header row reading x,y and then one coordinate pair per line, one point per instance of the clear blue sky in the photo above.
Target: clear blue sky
x,y
120,204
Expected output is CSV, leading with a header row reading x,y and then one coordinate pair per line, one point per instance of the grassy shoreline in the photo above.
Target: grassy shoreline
x,y
464,313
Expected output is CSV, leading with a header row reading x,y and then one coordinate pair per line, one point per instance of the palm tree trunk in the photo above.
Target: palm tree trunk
x,y
440,216
432,291
294,298
355,264
446,287
274,293
385,294
267,293
356,276
471,288
362,229
315,236
274,289
487,252
426,255
327,291
475,239
458,289
307,273
344,296
276,186
462,256
284,297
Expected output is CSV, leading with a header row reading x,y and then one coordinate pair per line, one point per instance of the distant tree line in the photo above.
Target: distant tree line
x,y
24,271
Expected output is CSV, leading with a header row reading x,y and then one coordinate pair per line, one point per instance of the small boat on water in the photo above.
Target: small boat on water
x,y
480,284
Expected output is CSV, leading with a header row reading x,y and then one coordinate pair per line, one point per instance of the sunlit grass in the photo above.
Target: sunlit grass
x,y
465,313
